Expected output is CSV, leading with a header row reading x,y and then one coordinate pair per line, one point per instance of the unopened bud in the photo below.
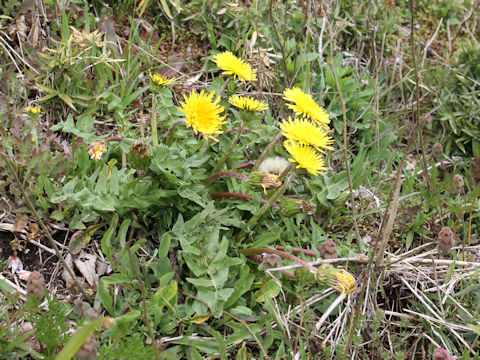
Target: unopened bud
x,y
290,207
445,240
36,285
328,250
458,183
437,150
139,156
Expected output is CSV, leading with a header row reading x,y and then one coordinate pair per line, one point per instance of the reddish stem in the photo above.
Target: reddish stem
x,y
257,251
236,129
113,138
244,165
224,174
299,251
259,260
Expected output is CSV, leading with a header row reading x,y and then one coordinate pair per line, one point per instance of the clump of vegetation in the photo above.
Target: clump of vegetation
x,y
174,187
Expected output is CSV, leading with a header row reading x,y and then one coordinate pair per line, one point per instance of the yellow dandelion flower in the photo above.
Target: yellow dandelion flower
x,y
33,110
305,156
232,65
307,133
247,103
96,150
305,107
203,113
344,282
161,80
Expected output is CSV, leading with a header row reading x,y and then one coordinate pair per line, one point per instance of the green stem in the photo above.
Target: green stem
x,y
224,157
154,120
265,152
171,131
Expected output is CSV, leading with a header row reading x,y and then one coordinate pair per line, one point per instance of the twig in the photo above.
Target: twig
x,y
327,313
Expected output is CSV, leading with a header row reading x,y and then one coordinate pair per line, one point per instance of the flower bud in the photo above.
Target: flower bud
x,y
437,150
328,250
290,207
139,156
445,240
458,183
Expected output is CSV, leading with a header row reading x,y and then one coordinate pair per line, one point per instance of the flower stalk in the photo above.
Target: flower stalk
x,y
171,131
265,151
225,174
232,144
154,120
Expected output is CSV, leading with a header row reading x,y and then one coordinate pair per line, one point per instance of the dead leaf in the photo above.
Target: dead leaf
x,y
85,263
81,238
20,222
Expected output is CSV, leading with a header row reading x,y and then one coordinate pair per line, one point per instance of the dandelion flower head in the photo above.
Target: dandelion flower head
x,y
232,65
96,150
344,282
161,80
33,109
247,103
304,106
202,113
306,132
305,156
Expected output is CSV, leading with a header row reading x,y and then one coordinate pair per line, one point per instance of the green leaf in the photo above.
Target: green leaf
x,y
105,297
265,239
164,246
76,341
269,289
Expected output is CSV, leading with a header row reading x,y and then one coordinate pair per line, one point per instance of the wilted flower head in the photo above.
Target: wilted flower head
x,y
232,65
445,240
305,156
328,250
273,165
304,106
344,282
458,183
437,149
307,133
339,279
247,103
203,113
265,181
96,150
161,80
